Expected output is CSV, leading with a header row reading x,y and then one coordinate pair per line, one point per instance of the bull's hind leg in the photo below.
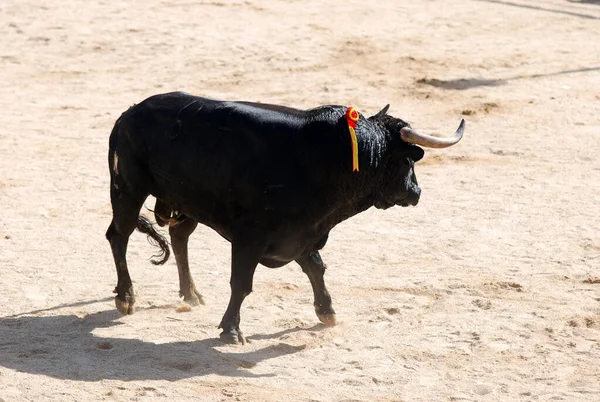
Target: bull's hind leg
x,y
125,215
180,233
313,266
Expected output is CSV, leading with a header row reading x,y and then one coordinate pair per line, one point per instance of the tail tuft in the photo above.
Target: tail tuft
x,y
155,238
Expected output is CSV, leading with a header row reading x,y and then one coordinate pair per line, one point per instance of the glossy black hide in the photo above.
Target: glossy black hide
x,y
271,180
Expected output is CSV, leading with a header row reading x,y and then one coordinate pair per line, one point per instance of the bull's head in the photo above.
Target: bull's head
x,y
400,185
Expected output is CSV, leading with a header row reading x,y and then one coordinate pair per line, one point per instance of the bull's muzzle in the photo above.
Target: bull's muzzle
x,y
412,198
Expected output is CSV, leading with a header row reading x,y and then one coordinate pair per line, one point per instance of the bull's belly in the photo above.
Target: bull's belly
x,y
286,238
282,252
281,248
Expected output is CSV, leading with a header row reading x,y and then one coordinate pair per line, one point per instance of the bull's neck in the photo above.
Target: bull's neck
x,y
353,194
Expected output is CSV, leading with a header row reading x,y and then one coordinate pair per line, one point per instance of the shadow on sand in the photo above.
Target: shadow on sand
x,y
468,83
37,345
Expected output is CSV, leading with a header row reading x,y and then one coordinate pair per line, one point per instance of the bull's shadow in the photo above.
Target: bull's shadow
x,y
36,345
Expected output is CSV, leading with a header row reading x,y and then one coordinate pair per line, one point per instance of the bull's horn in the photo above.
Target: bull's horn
x,y
428,141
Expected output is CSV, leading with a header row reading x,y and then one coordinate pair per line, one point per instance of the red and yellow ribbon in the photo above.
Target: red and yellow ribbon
x,y
352,118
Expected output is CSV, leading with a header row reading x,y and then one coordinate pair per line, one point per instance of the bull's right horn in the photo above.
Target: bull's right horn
x,y
428,141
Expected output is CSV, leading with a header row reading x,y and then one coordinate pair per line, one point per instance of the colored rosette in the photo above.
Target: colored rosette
x,y
352,116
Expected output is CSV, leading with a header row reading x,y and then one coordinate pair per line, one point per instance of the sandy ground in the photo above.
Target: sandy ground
x,y
485,291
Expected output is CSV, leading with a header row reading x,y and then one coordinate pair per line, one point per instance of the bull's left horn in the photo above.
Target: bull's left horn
x,y
428,141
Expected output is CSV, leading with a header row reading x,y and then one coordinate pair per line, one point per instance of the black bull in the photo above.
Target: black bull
x,y
271,180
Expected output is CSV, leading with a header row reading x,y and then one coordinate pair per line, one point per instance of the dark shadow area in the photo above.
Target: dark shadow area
x,y
550,10
468,83
37,345
461,83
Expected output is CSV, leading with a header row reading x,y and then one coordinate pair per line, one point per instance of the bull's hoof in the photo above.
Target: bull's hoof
x,y
327,319
125,307
232,337
326,315
195,299
192,297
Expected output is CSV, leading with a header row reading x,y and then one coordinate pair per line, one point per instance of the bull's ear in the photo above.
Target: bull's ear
x,y
382,112
415,153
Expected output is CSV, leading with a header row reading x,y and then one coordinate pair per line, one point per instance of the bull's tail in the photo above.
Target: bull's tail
x,y
155,238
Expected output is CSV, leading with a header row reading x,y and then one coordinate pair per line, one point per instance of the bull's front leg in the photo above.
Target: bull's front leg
x,y
245,255
313,266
